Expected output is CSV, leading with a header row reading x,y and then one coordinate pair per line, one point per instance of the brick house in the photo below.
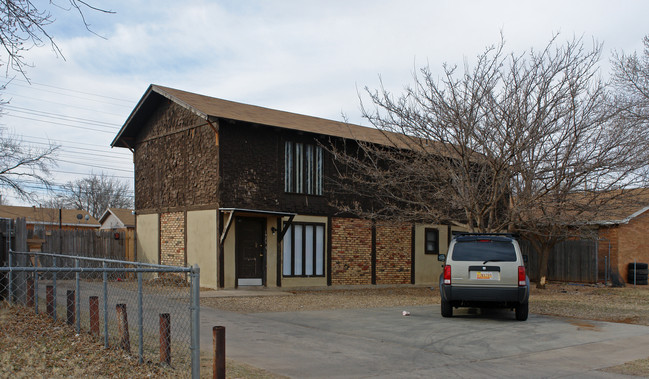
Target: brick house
x,y
241,191
624,234
41,220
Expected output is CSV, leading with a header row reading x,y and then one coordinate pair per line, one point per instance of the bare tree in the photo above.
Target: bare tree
x,y
521,142
24,25
23,167
95,194
631,83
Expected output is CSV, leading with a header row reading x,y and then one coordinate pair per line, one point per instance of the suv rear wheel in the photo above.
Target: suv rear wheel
x,y
447,309
522,311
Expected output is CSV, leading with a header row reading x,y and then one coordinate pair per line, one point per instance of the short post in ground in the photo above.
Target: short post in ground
x,y
30,293
165,338
122,327
94,315
49,301
71,308
218,364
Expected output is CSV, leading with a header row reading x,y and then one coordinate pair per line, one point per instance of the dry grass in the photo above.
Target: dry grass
x,y
34,346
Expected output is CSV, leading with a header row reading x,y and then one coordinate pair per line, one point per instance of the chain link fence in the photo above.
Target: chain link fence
x,y
148,310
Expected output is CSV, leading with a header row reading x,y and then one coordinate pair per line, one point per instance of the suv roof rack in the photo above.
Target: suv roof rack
x,y
510,235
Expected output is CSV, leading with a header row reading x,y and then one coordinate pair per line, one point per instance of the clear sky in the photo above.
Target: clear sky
x,y
302,56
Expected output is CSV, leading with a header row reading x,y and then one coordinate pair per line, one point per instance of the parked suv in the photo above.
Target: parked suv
x,y
484,270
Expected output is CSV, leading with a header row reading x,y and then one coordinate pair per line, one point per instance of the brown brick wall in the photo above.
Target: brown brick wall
x,y
607,235
172,239
176,161
633,243
393,253
351,251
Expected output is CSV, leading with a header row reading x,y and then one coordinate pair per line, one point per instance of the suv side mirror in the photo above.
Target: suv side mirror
x,y
441,257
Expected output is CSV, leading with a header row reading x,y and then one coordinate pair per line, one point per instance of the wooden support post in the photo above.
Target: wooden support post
x,y
165,338
218,364
49,300
29,302
122,326
94,315
72,308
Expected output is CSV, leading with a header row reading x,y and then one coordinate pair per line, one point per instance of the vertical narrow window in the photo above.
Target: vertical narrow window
x,y
308,250
318,170
303,168
299,168
304,250
288,248
308,174
288,167
319,250
298,249
432,241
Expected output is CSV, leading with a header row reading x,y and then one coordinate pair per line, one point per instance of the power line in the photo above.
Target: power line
x,y
66,89
94,166
85,152
130,103
86,174
12,95
35,112
74,142
59,123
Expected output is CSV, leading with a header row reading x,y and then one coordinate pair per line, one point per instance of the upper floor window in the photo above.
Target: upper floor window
x,y
302,168
432,241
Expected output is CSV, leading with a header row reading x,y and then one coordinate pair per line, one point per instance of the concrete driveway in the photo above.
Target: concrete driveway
x,y
382,343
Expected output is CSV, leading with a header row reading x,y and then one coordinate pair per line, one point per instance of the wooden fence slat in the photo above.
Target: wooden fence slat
x,y
570,261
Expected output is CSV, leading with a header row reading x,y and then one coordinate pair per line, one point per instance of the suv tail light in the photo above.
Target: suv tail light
x,y
447,274
521,276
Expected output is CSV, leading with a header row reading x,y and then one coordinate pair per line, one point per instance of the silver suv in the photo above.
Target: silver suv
x,y
484,270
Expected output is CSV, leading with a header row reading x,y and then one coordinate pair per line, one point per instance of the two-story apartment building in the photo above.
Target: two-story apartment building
x,y
244,192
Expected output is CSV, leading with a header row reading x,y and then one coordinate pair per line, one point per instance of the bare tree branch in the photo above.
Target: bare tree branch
x,y
20,163
520,142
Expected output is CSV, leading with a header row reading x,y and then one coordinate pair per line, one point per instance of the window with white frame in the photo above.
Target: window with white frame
x,y
304,250
302,168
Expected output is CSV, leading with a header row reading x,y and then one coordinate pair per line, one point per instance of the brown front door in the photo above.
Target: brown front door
x,y
250,250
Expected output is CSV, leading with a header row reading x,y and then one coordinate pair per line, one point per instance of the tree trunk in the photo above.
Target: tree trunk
x,y
543,265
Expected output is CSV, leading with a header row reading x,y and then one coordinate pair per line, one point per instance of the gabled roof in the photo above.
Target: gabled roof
x,y
49,216
126,216
626,206
210,108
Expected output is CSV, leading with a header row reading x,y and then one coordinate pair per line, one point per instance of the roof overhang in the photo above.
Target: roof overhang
x,y
252,212
625,220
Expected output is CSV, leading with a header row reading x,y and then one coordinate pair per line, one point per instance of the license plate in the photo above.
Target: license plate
x,y
482,275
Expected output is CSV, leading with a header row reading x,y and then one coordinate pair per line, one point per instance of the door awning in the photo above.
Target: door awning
x,y
232,211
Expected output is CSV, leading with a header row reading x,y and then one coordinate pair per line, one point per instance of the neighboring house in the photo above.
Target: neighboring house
x,y
122,222
624,234
43,219
117,219
241,191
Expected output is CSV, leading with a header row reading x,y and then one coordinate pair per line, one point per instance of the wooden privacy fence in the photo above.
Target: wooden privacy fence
x,y
569,261
109,244
86,243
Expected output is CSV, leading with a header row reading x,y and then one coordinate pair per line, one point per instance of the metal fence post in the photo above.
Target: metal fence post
x,y
35,285
195,321
11,275
54,285
77,291
105,277
140,316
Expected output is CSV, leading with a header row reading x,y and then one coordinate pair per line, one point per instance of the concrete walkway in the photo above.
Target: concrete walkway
x,y
383,343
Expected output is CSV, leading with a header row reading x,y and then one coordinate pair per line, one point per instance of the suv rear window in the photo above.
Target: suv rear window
x,y
484,250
